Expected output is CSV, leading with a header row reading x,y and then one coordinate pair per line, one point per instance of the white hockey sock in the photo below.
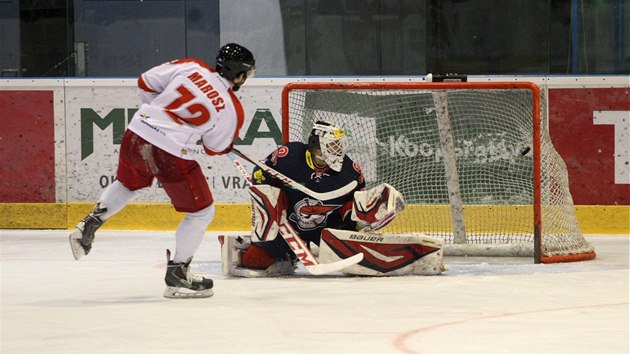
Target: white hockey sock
x,y
190,233
116,197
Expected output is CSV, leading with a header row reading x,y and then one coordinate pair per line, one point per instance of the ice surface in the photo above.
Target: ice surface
x,y
111,302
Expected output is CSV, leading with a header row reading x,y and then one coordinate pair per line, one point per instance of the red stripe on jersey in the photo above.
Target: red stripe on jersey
x,y
193,60
143,85
240,119
212,153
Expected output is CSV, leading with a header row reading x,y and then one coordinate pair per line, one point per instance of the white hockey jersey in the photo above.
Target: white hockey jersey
x,y
185,101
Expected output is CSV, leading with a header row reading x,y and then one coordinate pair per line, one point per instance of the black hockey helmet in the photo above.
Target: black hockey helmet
x,y
330,140
234,59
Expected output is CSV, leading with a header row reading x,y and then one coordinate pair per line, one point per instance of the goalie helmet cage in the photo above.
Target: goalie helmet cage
x,y
474,161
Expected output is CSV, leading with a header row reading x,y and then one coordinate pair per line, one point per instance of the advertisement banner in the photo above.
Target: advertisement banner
x,y
60,138
590,128
27,149
586,126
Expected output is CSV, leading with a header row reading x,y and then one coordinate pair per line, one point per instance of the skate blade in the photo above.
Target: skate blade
x,y
172,292
241,272
248,273
75,245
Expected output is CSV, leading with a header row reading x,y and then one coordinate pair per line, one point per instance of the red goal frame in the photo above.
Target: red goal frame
x,y
539,257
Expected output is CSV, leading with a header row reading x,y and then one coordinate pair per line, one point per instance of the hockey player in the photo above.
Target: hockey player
x,y
184,101
320,165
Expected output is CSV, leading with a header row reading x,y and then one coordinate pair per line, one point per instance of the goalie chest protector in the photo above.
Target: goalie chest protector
x,y
308,215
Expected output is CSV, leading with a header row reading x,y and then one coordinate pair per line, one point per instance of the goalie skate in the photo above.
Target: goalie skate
x,y
182,283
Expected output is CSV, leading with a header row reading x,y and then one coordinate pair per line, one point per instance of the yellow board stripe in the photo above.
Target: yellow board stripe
x,y
592,219
143,216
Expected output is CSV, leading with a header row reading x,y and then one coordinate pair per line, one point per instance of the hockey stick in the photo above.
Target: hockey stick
x,y
293,184
310,262
296,243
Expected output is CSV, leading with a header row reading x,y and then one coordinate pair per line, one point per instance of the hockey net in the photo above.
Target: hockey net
x,y
474,161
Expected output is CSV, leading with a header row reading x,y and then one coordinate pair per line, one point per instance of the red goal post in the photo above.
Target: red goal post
x,y
474,160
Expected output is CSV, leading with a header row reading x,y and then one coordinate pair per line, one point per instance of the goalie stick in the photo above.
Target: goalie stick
x,y
296,243
293,184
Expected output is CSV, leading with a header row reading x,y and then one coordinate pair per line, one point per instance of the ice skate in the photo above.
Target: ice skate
x,y
81,239
182,283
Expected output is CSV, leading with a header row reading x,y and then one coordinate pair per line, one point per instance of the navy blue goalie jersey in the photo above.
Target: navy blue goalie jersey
x,y
307,215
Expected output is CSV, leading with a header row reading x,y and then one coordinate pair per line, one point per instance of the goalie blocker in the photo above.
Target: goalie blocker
x,y
383,254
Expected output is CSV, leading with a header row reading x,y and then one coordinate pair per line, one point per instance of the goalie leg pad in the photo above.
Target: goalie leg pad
x,y
383,254
231,251
267,209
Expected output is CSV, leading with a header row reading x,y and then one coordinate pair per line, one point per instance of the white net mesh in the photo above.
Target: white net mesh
x,y
484,140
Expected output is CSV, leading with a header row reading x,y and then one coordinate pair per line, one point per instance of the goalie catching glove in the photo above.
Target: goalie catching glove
x,y
376,208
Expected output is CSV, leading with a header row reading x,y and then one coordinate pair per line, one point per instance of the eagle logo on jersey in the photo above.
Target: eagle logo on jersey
x,y
310,213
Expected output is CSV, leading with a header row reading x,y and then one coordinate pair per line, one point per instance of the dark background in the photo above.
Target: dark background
x,y
321,37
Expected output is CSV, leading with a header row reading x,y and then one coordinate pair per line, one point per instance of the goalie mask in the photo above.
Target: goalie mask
x,y
328,142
